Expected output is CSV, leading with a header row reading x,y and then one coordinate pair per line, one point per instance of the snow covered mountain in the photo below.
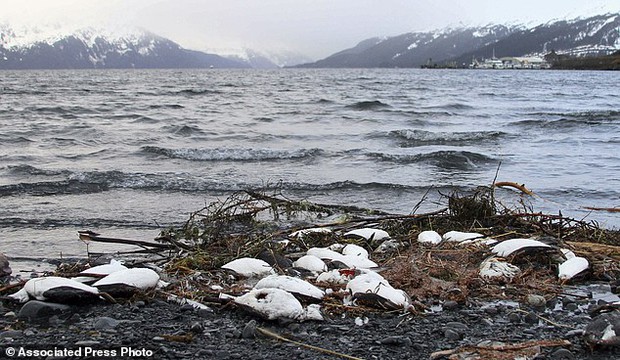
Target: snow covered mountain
x,y
264,59
596,35
89,48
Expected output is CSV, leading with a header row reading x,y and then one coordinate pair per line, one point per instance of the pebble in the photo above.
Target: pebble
x,y
35,310
105,323
574,333
396,341
196,327
551,303
487,322
457,326
187,308
12,334
571,306
562,354
452,335
249,330
531,318
536,301
450,305
514,318
205,313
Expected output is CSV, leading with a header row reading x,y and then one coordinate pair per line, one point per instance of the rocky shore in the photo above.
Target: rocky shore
x,y
397,290
158,329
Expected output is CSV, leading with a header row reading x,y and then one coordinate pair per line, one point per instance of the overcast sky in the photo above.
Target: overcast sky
x,y
316,28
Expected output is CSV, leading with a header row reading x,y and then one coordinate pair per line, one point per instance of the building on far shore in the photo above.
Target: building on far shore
x,y
532,62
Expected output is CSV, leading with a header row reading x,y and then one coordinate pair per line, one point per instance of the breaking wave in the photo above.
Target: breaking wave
x,y
412,138
229,154
448,159
569,120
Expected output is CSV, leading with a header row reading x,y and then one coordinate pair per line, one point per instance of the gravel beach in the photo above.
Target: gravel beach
x,y
160,330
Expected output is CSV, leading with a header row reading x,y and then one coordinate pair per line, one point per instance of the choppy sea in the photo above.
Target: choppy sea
x,y
126,153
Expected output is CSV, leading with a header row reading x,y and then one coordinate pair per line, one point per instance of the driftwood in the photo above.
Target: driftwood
x,y
499,351
593,208
520,187
307,346
87,235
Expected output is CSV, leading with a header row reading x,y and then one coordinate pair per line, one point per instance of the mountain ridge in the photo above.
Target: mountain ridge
x,y
595,35
90,48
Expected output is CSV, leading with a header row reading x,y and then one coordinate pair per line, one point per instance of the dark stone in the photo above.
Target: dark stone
x,y
187,307
104,323
452,335
571,306
562,354
12,334
457,326
604,330
531,318
396,341
196,327
450,305
35,310
491,310
536,301
514,318
205,313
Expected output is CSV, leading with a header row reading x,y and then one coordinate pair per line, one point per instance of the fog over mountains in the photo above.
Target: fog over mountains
x,y
28,48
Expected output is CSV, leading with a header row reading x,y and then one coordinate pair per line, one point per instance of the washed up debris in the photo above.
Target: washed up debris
x,y
509,247
182,301
333,261
604,330
347,261
95,273
459,236
300,234
493,267
572,267
56,289
369,234
334,276
430,237
274,304
389,246
296,286
125,283
355,250
500,350
372,289
520,187
249,267
310,263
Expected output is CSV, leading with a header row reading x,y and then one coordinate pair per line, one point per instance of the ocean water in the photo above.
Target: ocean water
x,y
126,153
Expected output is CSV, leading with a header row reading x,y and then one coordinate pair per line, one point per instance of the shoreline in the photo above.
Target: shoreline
x,y
173,331
453,309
